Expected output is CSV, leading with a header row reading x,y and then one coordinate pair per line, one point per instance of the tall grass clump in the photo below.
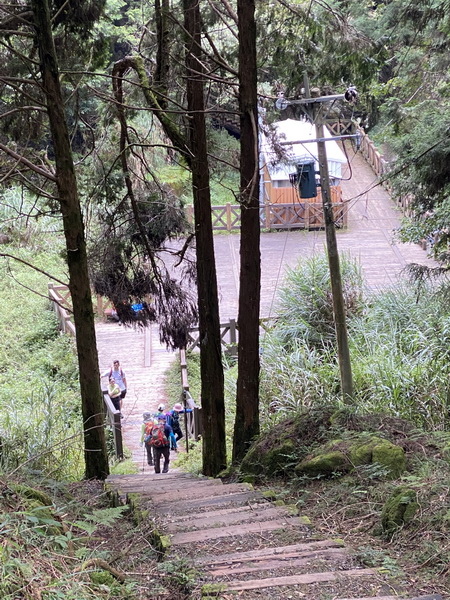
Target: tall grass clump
x,y
400,355
399,346
295,378
305,307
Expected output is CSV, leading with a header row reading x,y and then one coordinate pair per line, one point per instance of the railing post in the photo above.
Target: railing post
x,y
118,440
113,416
267,215
228,215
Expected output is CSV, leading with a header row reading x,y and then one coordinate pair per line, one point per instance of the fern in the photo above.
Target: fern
x,y
106,516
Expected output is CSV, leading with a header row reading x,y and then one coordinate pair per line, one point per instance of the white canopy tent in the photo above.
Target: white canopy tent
x,y
299,152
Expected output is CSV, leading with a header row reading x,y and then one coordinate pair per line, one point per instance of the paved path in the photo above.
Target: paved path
x,y
239,544
369,237
372,219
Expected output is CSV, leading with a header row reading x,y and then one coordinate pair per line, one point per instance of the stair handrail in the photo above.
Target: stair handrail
x,y
59,302
192,416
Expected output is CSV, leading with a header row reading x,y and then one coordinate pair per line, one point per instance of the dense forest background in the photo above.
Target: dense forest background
x,y
116,114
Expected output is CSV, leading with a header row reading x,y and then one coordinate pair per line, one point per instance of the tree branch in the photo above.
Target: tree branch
x,y
27,163
24,262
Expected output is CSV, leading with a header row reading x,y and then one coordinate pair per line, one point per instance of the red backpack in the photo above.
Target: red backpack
x,y
158,437
148,432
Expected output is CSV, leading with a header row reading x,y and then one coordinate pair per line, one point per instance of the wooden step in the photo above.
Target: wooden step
x,y
306,578
177,475
377,598
211,519
216,533
287,551
218,512
188,506
281,562
174,487
426,597
160,495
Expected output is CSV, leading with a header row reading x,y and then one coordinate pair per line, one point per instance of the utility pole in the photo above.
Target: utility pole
x,y
313,108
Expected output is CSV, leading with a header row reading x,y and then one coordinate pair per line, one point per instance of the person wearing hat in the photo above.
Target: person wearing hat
x,y
160,410
146,431
174,419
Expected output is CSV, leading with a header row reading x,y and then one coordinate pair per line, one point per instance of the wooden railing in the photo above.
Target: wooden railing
x,y
193,419
376,160
113,419
299,215
228,336
61,304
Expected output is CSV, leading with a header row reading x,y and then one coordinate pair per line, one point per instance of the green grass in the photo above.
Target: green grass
x,y
40,420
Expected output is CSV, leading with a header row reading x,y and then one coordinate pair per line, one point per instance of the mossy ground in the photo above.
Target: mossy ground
x,y
397,521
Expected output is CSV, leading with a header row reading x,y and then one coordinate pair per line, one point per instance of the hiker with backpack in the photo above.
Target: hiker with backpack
x,y
161,412
160,443
116,373
146,433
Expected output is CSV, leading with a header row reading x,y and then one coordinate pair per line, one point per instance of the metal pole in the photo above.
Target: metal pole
x,y
312,107
333,261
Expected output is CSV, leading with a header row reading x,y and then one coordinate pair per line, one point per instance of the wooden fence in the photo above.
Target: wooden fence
x,y
61,304
299,215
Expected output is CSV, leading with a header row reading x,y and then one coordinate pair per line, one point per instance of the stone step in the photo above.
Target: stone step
x,y
216,533
293,550
211,519
282,562
306,578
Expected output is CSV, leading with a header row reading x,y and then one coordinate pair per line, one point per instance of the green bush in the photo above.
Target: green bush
x,y
40,420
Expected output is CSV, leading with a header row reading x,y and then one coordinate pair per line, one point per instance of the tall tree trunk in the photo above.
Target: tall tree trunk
x,y
246,426
91,396
213,408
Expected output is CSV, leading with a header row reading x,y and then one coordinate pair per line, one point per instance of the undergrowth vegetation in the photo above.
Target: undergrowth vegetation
x,y
399,346
40,420
67,541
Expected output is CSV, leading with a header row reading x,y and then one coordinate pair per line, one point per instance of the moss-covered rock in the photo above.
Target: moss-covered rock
x,y
273,461
287,447
390,456
399,509
323,465
31,493
101,578
360,452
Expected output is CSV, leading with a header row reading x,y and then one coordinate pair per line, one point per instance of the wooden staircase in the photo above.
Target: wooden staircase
x,y
244,545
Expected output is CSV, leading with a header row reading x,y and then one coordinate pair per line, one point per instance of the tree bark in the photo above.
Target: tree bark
x,y
91,396
246,425
212,387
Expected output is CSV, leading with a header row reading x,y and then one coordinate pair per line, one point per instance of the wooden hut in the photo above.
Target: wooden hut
x,y
279,189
